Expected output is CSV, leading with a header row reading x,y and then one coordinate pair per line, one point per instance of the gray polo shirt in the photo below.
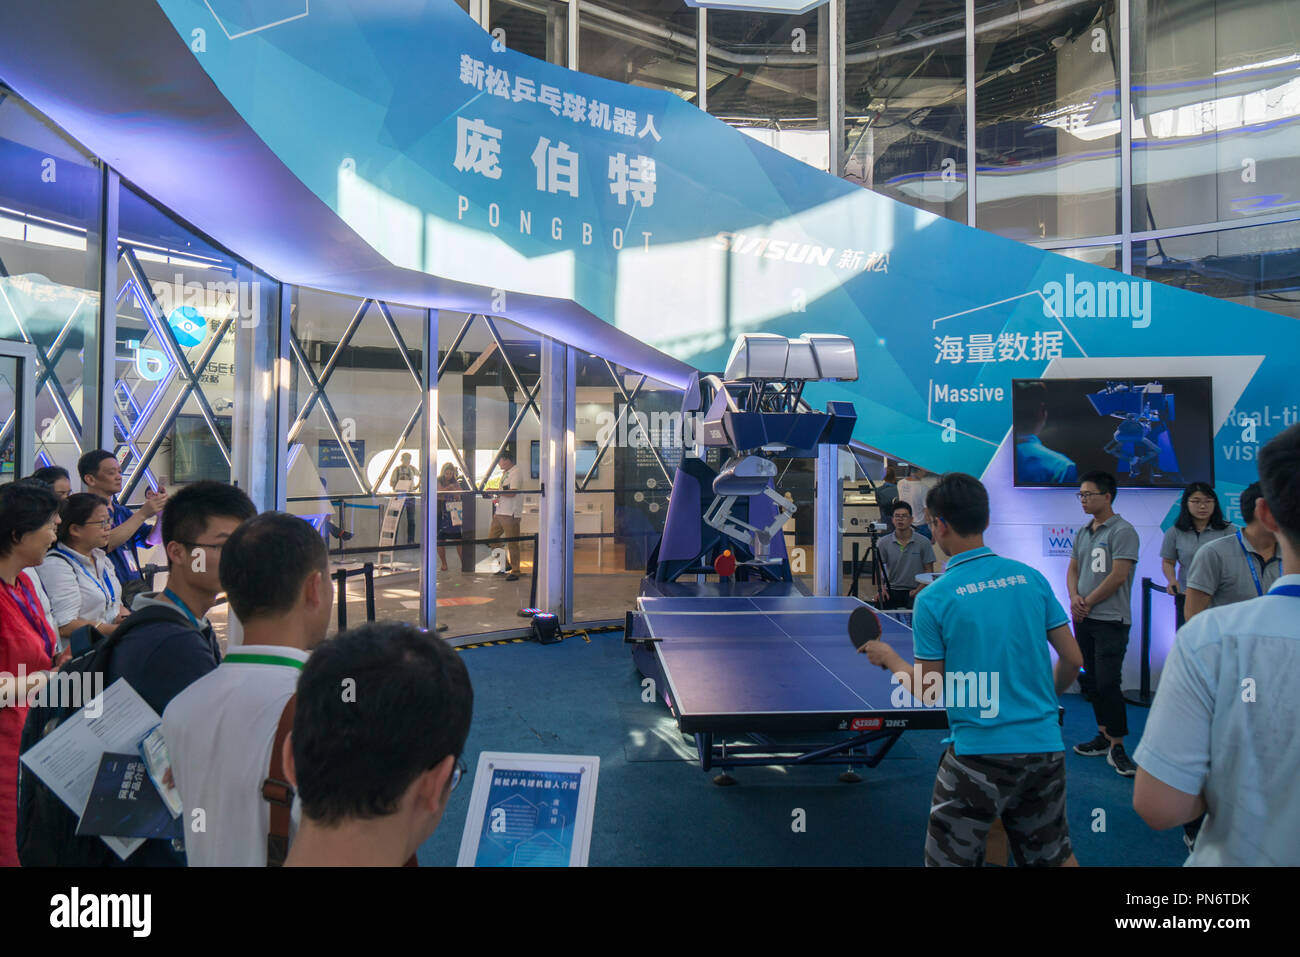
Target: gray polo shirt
x,y
1220,570
1096,551
1181,546
905,562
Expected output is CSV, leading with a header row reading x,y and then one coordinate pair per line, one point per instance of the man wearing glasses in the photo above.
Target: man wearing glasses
x,y
1100,581
374,768
221,731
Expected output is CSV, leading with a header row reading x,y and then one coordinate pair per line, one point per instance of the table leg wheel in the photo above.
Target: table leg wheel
x,y
724,780
851,777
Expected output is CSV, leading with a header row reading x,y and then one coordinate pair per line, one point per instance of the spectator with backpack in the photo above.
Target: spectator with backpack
x,y
160,649
28,519
225,732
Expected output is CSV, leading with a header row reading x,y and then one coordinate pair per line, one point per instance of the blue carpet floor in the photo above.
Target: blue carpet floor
x,y
655,807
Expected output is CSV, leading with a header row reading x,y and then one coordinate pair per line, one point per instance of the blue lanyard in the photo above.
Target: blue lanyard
x,y
1250,563
34,617
110,593
176,600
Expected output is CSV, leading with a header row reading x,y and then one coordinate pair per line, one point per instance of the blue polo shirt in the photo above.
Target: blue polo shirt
x,y
1036,464
126,562
987,619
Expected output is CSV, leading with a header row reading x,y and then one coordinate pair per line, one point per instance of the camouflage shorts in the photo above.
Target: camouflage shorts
x,y
1027,791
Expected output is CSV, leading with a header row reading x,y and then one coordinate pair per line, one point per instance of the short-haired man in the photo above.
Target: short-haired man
x,y
507,513
993,618
1100,580
1235,567
220,730
905,555
1220,736
101,474
382,716
169,643
1036,464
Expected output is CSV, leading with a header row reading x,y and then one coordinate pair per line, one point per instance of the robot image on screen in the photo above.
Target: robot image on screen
x,y
1142,444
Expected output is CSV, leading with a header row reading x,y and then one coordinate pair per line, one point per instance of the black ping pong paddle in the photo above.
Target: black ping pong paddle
x,y
864,626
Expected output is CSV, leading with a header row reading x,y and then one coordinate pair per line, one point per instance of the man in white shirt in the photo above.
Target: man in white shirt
x,y
1219,739
220,730
505,517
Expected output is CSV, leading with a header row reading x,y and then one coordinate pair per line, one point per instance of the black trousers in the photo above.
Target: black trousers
x,y
1103,644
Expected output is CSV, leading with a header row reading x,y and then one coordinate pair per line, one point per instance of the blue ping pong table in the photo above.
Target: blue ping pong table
x,y
760,665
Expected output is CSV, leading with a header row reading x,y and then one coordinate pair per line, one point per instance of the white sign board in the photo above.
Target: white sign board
x,y
530,810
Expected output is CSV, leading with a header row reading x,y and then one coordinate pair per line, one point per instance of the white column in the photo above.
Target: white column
x,y
826,528
428,475
555,515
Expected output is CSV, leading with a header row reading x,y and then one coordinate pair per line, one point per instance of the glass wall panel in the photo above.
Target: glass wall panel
x,y
10,399
354,439
1256,266
179,304
1106,255
539,28
49,290
629,441
650,45
767,74
1216,101
489,390
1047,119
905,103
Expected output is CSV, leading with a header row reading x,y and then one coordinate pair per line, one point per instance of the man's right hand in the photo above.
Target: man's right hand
x,y
1171,588
1078,607
154,502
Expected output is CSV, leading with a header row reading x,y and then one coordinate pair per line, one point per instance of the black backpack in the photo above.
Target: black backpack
x,y
47,828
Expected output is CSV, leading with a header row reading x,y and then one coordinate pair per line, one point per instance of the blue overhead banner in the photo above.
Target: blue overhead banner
x,y
453,155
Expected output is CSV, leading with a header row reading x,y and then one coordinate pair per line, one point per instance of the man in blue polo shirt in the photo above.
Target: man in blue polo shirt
x,y
983,628
102,474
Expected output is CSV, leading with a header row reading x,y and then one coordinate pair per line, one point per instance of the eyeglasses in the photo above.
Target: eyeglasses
x,y
458,772
1200,501
106,523
215,546
1084,496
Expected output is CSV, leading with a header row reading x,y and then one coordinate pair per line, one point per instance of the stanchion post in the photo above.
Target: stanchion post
x,y
1142,696
532,592
853,588
342,576
368,569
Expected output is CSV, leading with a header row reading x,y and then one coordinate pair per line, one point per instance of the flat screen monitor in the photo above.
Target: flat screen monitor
x,y
584,458
195,453
1148,432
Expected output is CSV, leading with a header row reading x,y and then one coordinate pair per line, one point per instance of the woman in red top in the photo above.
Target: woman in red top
x,y
28,519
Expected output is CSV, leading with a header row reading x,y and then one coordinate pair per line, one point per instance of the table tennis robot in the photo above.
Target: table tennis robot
x,y
1141,442
756,411
738,650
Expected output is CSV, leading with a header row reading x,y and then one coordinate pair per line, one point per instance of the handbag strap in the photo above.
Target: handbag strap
x,y
278,792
